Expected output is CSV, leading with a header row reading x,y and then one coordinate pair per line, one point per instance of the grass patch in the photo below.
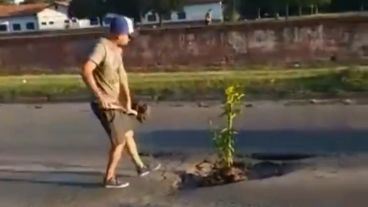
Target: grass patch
x,y
295,83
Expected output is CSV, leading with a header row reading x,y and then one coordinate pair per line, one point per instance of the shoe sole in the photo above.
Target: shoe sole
x,y
117,186
148,172
157,167
144,174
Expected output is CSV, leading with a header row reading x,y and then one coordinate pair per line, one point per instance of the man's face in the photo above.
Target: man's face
x,y
123,40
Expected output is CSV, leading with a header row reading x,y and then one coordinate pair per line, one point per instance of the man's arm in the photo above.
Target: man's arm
x,y
87,75
90,65
124,84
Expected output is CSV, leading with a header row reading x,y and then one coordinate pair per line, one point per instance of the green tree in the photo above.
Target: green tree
x,y
144,6
130,8
38,1
314,5
88,8
162,7
352,5
299,4
4,2
231,12
251,8
33,1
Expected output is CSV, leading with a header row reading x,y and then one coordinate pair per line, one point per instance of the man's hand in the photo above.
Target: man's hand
x,y
132,112
107,102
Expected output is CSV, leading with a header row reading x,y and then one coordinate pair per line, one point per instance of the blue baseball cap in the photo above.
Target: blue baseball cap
x,y
121,25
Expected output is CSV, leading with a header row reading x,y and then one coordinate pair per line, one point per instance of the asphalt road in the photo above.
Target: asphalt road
x,y
60,129
54,155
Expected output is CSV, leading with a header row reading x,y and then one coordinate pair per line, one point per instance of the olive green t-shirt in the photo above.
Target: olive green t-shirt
x,y
109,73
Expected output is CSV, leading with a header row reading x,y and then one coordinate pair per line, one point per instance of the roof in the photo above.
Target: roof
x,y
63,3
201,1
21,10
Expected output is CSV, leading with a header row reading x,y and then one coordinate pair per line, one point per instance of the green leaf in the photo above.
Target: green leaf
x,y
224,138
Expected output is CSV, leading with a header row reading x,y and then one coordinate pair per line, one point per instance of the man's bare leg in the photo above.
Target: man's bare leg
x,y
114,158
131,146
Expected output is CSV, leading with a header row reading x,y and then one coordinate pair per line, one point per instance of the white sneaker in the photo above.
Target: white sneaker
x,y
142,172
115,183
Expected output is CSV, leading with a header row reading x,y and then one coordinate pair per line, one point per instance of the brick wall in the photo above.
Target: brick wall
x,y
258,43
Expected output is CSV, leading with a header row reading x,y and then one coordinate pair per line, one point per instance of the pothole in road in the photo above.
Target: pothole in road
x,y
280,157
206,174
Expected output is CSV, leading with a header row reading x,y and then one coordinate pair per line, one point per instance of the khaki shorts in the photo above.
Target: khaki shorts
x,y
115,122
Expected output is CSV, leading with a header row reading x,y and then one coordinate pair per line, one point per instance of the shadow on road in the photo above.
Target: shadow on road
x,y
59,183
280,156
60,178
264,170
300,141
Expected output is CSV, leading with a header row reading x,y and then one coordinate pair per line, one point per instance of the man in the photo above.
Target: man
x,y
208,17
105,75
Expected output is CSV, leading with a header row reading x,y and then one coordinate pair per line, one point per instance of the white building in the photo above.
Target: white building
x,y
192,11
32,17
18,1
109,16
54,16
17,18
